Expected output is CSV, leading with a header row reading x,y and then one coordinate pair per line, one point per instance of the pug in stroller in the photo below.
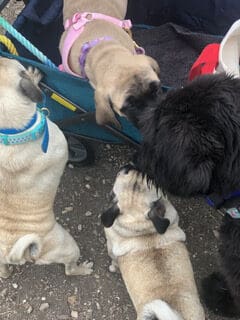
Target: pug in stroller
x,y
97,45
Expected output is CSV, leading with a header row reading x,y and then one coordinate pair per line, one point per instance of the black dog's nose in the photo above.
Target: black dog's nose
x,y
127,167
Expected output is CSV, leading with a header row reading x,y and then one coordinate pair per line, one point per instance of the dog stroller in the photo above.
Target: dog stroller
x,y
70,99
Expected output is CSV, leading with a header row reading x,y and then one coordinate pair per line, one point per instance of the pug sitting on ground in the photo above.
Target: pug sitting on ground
x,y
30,171
146,243
111,64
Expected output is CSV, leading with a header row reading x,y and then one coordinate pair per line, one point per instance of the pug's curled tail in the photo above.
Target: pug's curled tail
x,y
27,247
159,310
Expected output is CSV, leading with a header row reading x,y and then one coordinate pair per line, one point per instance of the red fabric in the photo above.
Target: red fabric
x,y
206,62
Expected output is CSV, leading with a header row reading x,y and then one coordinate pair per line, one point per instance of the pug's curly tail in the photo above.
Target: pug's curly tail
x,y
159,310
27,246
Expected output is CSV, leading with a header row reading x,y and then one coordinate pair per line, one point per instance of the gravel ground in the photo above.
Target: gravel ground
x,y
44,292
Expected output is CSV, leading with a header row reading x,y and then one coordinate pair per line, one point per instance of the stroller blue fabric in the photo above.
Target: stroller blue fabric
x,y
41,23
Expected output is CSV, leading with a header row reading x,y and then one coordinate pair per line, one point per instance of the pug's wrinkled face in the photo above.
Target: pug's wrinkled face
x,y
132,86
137,206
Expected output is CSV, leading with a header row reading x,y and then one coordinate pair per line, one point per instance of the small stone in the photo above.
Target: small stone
x,y
72,300
88,213
29,309
79,227
98,306
43,298
70,166
102,240
87,178
74,314
67,209
108,146
3,293
103,181
15,285
216,234
44,306
96,194
88,186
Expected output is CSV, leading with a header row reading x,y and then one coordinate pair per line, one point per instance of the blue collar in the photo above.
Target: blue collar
x,y
31,131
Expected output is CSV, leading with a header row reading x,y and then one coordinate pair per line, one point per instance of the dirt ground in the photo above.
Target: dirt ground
x,y
44,292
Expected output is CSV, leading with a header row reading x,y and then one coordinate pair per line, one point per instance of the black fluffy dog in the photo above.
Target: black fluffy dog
x,y
191,145
191,137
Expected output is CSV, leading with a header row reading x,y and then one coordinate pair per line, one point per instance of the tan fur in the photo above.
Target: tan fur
x,y
153,266
112,66
29,180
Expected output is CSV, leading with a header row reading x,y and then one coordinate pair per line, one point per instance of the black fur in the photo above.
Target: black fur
x,y
217,296
191,137
139,98
108,217
156,215
229,250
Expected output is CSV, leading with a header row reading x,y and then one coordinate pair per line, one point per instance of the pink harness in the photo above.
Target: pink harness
x,y
75,27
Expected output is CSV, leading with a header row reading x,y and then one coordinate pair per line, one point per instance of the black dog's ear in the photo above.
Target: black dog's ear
x,y
29,88
108,217
156,215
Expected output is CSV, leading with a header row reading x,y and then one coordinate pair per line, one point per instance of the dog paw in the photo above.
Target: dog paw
x,y
79,270
34,74
112,268
87,267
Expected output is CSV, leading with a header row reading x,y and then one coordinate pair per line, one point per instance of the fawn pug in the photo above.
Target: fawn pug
x,y
33,156
146,243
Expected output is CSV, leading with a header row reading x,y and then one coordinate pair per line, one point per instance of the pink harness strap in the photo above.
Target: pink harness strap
x,y
75,27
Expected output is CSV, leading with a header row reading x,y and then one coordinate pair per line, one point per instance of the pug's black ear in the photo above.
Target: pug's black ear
x,y
108,217
156,215
29,88
104,110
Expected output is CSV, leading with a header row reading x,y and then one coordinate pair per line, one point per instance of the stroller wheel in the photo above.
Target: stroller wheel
x,y
80,154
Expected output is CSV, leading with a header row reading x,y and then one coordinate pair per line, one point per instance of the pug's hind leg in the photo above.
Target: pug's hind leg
x,y
62,248
5,271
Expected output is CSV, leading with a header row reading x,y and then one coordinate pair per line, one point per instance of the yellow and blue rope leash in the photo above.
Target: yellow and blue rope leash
x,y
27,44
9,45
37,53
